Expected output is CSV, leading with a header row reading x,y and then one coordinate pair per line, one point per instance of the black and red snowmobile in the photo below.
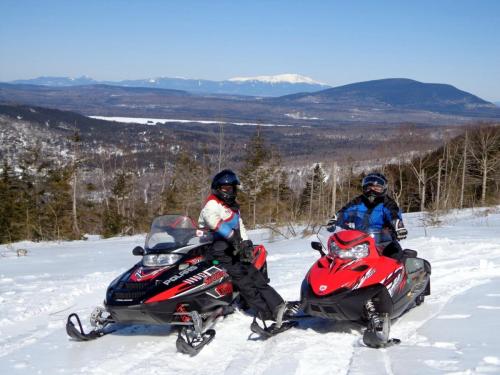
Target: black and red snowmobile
x,y
173,283
353,281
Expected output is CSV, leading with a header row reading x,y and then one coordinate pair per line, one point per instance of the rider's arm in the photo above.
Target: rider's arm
x,y
394,218
243,231
212,218
391,212
346,214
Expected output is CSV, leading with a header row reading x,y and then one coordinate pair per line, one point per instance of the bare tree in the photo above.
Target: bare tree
x,y
438,193
484,150
464,168
422,181
334,188
76,140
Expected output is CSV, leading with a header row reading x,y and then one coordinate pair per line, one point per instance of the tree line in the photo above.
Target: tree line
x,y
46,199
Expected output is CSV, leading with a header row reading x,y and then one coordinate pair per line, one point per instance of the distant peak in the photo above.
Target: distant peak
x,y
279,78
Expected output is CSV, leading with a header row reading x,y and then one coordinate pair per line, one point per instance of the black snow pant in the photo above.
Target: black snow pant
x,y
251,283
393,250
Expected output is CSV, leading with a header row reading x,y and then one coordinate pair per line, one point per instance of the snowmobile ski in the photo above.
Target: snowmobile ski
x,y
186,344
267,332
371,340
377,335
79,334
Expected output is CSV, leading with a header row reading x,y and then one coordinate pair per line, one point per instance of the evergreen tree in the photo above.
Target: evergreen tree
x,y
257,180
12,206
312,200
185,193
115,216
55,210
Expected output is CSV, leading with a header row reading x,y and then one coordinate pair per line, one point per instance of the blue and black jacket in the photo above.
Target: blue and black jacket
x,y
377,216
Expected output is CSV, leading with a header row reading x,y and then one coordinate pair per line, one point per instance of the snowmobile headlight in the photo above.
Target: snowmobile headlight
x,y
356,252
155,260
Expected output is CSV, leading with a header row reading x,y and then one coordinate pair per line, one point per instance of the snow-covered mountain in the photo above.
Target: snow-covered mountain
x,y
276,85
454,331
279,78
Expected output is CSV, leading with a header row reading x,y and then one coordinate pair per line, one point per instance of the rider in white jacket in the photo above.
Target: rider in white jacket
x,y
221,219
234,251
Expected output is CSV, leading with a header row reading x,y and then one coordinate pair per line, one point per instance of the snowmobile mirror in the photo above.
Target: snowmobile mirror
x,y
317,246
138,251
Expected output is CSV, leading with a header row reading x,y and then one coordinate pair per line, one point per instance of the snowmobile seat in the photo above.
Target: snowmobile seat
x,y
408,253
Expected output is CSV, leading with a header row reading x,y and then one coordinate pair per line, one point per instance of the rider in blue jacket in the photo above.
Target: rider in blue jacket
x,y
374,212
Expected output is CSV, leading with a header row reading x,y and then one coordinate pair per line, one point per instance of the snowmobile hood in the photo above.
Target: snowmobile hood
x,y
329,275
349,238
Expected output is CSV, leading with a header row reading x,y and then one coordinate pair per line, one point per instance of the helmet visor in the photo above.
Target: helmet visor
x,y
375,188
372,180
229,189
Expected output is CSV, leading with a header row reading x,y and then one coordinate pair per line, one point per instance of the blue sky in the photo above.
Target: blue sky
x,y
336,42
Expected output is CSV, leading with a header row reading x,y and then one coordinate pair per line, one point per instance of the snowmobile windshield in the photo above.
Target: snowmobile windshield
x,y
382,238
172,232
323,234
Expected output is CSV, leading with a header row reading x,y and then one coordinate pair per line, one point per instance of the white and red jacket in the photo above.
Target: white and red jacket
x,y
221,219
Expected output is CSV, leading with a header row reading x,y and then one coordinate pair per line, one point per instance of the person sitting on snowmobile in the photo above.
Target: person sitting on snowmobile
x,y
233,250
374,212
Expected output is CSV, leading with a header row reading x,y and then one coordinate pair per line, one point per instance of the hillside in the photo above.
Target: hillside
x,y
22,127
398,93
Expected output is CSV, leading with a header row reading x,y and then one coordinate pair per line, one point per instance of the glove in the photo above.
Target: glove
x,y
399,229
332,224
234,240
246,255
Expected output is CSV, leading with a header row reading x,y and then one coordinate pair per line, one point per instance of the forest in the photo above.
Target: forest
x,y
43,199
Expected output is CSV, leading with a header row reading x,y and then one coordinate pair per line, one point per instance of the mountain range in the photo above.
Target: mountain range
x,y
386,101
276,85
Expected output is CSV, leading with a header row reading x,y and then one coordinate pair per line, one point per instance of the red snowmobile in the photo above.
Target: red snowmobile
x,y
354,281
173,283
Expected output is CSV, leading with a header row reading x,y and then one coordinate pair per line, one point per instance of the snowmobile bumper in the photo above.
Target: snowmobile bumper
x,y
344,304
151,313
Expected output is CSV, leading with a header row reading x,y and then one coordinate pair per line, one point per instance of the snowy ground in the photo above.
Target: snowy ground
x,y
156,121
454,331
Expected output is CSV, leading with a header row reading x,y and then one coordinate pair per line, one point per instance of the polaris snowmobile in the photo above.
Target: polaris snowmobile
x,y
173,283
353,281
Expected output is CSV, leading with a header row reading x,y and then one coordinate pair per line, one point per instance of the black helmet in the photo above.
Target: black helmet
x,y
374,186
225,177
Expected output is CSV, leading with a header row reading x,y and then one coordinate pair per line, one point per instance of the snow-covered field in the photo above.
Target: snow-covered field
x,y
156,121
455,331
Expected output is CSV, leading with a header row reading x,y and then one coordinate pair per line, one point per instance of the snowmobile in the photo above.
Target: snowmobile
x,y
174,283
353,281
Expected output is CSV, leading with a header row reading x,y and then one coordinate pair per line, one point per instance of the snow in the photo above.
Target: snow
x,y
279,78
156,121
454,331
300,116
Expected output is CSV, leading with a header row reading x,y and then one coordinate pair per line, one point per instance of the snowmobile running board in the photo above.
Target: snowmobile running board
x,y
267,332
79,334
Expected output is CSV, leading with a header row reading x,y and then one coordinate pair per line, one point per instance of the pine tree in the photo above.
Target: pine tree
x,y
12,206
55,209
311,198
185,193
257,179
114,216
